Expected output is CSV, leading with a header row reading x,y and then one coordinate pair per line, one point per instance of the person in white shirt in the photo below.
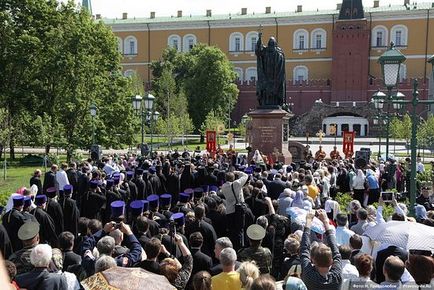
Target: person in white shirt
x,y
343,234
232,189
62,177
419,166
364,264
348,271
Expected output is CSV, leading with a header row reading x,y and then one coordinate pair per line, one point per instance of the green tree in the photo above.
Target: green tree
x,y
209,83
57,61
212,122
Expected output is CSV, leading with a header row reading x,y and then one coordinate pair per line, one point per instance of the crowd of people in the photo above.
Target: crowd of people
x,y
222,223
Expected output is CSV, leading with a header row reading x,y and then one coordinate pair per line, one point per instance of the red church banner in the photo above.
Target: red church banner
x,y
348,144
211,141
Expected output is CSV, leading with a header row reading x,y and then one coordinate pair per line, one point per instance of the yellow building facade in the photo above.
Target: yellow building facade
x,y
305,37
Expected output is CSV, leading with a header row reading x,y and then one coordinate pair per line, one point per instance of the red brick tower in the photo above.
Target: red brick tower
x,y
350,67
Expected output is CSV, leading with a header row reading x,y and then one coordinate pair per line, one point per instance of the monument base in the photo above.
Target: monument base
x,y
269,133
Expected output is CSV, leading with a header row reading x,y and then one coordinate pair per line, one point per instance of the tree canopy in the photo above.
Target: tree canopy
x,y
55,62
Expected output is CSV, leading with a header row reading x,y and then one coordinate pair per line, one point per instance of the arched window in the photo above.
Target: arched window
x,y
236,43
319,39
251,39
129,73
379,36
301,39
251,74
402,72
130,45
399,35
174,41
239,72
189,41
120,44
300,74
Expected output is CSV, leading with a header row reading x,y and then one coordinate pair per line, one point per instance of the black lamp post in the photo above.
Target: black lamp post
x,y
142,108
93,110
390,61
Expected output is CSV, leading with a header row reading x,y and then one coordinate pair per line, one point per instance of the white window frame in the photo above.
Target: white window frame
x,y
249,45
385,36
251,72
295,74
186,41
232,45
127,48
120,43
314,34
173,37
404,34
296,38
239,72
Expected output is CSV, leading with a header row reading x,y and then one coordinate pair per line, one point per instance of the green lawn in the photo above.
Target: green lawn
x,y
16,177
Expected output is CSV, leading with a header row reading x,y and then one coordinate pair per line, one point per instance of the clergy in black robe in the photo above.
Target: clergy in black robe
x,y
94,202
83,187
172,185
13,220
131,185
47,230
26,210
140,184
112,195
54,209
187,178
5,242
70,211
73,175
162,178
50,178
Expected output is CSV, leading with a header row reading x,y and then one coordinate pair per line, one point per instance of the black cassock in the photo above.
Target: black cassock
x,y
93,202
133,190
5,243
55,211
47,230
70,215
12,221
141,188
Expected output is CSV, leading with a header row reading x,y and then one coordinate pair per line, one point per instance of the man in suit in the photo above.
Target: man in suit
x,y
152,248
50,178
201,262
276,187
381,258
36,180
66,244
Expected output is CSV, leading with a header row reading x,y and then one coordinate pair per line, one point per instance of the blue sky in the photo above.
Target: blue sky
x,y
141,8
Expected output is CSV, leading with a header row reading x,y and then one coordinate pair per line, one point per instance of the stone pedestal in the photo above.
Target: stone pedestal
x,y
269,133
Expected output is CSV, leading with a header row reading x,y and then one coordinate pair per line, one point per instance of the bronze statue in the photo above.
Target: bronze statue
x,y
271,83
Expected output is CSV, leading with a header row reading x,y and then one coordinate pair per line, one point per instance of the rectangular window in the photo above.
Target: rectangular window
x,y
398,38
379,38
175,44
301,42
300,78
237,44
318,41
132,47
253,44
190,43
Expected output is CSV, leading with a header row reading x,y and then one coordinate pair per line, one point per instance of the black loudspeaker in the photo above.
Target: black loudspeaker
x,y
95,152
362,157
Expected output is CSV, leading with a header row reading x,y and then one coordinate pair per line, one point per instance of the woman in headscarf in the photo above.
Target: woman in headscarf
x,y
359,186
298,199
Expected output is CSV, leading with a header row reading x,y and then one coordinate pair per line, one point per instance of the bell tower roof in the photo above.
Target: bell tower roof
x,y
351,9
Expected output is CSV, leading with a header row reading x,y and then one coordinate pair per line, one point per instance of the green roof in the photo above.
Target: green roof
x,y
238,16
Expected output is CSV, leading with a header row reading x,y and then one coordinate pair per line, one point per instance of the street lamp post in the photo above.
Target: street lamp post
x,y
152,121
390,64
93,110
143,107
